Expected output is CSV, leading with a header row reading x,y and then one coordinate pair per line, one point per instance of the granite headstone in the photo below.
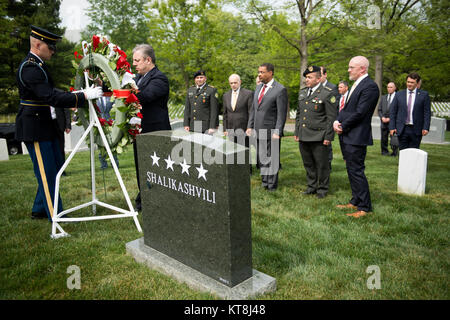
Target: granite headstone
x,y
196,202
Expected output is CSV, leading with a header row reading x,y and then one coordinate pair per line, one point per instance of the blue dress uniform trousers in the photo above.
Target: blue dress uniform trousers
x,y
47,160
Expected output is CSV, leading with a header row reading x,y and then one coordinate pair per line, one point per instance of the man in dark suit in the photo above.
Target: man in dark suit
x,y
333,87
383,113
153,95
410,114
201,111
237,105
34,121
317,108
354,124
267,119
343,92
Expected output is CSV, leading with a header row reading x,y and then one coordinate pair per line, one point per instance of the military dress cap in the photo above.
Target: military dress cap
x,y
199,73
311,69
46,36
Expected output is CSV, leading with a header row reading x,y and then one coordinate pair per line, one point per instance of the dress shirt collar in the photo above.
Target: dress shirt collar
x,y
314,88
37,57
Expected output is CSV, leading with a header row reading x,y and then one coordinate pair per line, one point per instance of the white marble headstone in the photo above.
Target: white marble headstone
x,y
3,150
24,149
412,171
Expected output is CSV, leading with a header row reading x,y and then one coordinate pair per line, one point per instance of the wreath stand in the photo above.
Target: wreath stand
x,y
57,218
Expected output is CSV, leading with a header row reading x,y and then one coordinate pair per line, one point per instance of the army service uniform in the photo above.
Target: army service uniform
x,y
35,125
201,107
313,125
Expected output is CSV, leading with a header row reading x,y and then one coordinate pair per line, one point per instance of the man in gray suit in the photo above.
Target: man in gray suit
x,y
383,112
237,105
267,119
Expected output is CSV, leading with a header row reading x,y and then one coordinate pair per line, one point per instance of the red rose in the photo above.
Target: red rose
x,y
110,122
122,53
102,121
132,98
77,55
122,62
72,89
95,41
139,115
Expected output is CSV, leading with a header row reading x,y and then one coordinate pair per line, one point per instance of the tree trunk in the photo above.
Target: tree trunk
x,y
303,55
378,77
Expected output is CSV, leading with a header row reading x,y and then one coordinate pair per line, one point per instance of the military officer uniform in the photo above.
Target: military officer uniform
x,y
313,125
35,124
201,109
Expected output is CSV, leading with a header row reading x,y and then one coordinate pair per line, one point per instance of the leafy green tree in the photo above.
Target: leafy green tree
x,y
123,21
15,20
188,36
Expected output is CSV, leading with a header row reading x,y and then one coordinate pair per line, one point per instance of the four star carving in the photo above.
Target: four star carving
x,y
184,166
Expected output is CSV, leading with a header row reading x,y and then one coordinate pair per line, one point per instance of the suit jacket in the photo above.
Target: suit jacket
x,y
63,119
271,112
237,119
356,116
37,93
153,96
421,112
383,109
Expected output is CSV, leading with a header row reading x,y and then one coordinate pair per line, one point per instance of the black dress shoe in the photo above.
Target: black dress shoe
x,y
138,206
38,215
271,189
309,192
321,195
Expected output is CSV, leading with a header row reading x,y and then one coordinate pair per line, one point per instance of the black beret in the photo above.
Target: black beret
x,y
199,73
46,36
311,69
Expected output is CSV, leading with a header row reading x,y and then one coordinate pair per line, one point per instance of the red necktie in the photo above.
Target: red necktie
x,y
342,103
261,95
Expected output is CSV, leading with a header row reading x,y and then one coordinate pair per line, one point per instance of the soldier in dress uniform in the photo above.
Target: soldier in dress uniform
x,y
201,112
35,124
317,109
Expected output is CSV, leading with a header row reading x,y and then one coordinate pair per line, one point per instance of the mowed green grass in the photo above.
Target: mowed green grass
x,y
313,249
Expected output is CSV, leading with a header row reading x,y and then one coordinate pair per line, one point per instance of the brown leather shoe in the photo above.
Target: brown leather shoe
x,y
347,206
357,214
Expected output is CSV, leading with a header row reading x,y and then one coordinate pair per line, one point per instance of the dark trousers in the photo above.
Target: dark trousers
x,y
315,157
341,144
47,160
242,139
355,157
138,197
268,160
409,139
384,127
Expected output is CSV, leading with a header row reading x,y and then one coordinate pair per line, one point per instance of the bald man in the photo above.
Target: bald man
x,y
353,124
383,113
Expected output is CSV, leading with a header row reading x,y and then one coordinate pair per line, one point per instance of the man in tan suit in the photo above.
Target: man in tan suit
x,y
237,105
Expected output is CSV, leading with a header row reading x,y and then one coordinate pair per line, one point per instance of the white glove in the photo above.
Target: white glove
x,y
93,92
128,79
